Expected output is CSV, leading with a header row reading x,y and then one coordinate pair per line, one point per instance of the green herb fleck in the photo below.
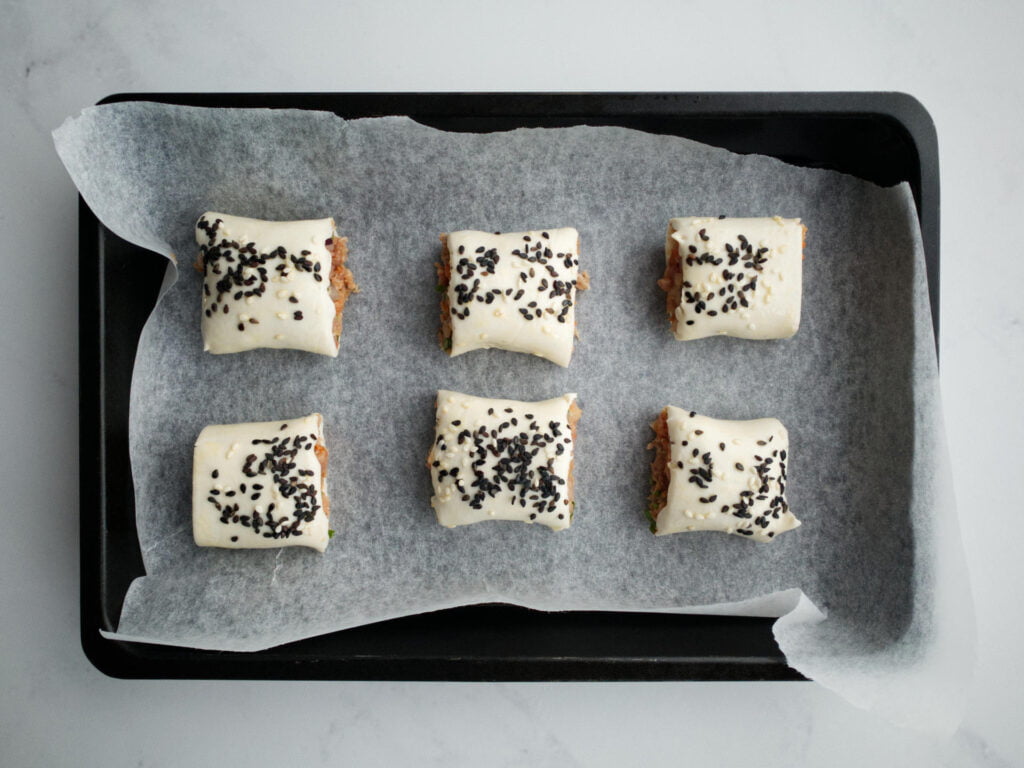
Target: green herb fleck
x,y
655,502
330,533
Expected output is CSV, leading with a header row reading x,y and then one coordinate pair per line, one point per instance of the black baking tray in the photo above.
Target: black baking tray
x,y
886,138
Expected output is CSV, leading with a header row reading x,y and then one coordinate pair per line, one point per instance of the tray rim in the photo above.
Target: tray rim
x,y
124,659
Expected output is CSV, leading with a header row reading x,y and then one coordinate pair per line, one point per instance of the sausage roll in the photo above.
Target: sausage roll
x,y
277,284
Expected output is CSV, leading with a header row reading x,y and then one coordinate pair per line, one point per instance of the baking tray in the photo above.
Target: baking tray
x,y
886,138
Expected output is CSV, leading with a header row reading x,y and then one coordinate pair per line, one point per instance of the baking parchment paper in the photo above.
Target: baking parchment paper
x,y
879,551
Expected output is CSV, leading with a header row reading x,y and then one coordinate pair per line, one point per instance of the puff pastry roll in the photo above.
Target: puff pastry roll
x,y
514,291
261,485
277,284
503,460
716,475
733,277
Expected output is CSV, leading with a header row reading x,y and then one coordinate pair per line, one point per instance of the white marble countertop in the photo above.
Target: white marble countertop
x,y
55,58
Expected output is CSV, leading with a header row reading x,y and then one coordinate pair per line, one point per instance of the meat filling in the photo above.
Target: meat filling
x,y
573,418
672,283
320,449
659,466
342,283
444,277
